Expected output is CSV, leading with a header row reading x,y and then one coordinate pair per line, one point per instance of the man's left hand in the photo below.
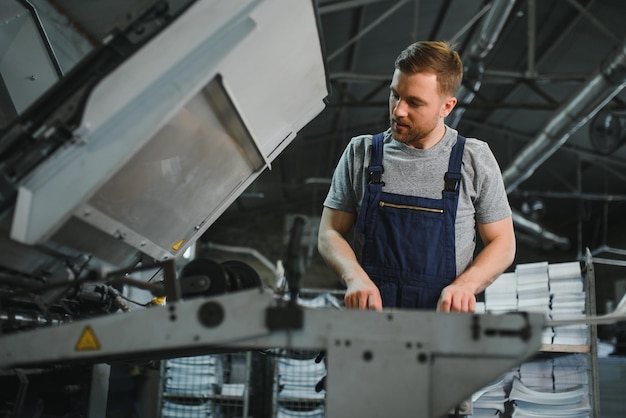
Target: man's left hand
x,y
456,298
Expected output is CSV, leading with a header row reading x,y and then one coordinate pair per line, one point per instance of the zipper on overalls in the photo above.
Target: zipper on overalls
x,y
383,204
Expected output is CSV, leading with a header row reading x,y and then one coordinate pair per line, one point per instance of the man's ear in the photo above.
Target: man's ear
x,y
447,107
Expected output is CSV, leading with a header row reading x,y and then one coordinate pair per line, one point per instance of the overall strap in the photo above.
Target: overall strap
x,y
376,169
374,182
452,178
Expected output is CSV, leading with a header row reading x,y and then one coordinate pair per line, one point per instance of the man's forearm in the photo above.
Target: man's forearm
x,y
361,292
494,259
339,256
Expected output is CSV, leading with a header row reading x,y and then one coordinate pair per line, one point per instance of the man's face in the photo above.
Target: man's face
x,y
417,109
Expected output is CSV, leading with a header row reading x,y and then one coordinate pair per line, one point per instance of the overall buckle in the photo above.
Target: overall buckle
x,y
452,181
376,174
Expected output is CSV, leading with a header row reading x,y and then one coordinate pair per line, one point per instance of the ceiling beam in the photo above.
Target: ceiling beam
x,y
366,29
438,21
339,6
595,22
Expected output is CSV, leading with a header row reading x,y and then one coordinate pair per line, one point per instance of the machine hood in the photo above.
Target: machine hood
x,y
145,143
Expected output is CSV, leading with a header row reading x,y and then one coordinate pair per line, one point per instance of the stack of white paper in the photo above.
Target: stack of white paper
x,y
570,334
323,300
554,289
187,410
501,295
533,292
198,376
299,373
568,305
297,378
556,386
489,401
571,371
567,302
480,307
533,403
565,278
236,390
537,374
190,380
285,412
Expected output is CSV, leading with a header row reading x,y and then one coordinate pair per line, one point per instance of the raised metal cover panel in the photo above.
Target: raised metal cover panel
x,y
174,135
23,76
162,197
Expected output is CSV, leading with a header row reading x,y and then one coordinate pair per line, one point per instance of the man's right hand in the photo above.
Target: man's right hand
x,y
363,294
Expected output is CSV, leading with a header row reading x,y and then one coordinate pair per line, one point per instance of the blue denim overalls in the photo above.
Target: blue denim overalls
x,y
409,249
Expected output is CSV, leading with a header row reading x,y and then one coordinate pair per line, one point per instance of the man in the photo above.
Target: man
x,y
416,194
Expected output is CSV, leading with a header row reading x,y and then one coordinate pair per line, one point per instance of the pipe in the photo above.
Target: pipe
x,y
539,232
481,46
576,195
585,104
606,249
575,112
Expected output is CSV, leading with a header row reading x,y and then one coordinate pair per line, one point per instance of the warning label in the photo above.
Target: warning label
x,y
179,244
87,341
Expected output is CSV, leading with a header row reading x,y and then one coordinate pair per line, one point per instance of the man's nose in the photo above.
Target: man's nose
x,y
400,108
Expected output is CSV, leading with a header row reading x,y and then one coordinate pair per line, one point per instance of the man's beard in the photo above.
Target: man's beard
x,y
411,135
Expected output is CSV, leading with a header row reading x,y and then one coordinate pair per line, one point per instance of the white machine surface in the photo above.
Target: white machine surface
x,y
391,363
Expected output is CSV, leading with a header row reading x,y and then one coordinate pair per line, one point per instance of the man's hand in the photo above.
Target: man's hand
x,y
363,294
456,298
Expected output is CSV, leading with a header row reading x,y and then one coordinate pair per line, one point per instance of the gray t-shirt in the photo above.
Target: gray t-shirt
x,y
419,172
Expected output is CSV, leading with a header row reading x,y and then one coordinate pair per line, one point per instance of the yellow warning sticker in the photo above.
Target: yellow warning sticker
x,y
87,341
179,244
161,300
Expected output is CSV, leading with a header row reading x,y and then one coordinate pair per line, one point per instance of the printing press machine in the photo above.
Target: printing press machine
x,y
121,163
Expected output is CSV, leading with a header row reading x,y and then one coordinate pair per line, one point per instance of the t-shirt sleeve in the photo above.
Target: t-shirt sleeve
x,y
346,180
492,203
